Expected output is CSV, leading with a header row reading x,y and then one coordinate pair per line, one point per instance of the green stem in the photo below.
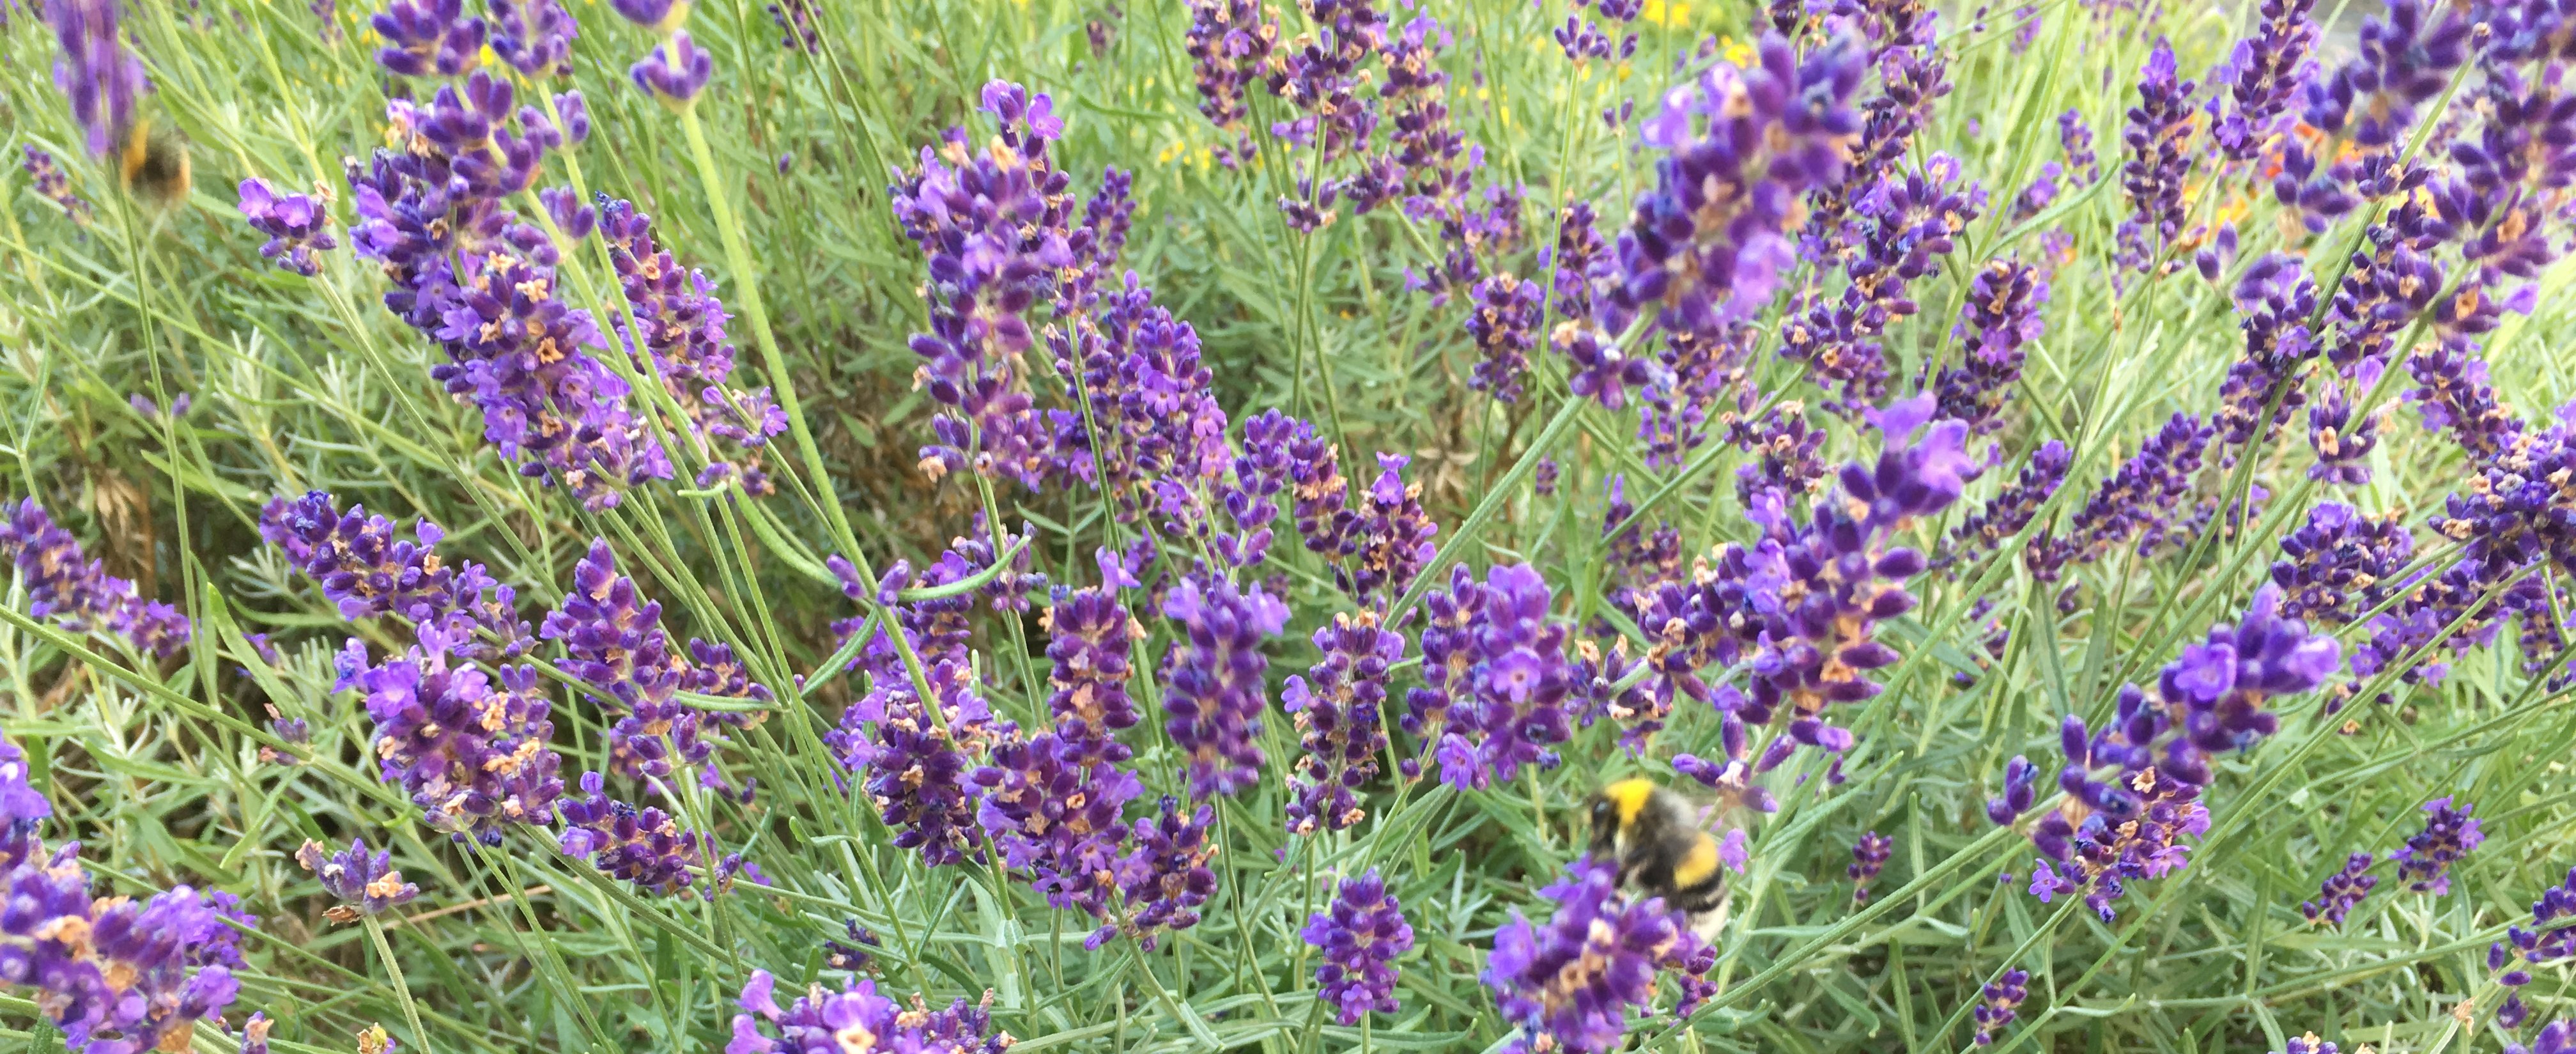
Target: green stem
x,y
402,991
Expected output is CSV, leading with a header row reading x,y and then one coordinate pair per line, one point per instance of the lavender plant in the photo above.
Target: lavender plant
x,y
968,526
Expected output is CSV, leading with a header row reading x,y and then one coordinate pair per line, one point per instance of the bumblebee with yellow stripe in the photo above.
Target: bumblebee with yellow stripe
x,y
1661,847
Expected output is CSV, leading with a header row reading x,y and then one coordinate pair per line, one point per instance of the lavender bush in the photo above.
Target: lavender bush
x,y
1122,527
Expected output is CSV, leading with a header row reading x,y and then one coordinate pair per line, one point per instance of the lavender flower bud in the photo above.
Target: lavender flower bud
x,y
1361,933
2342,890
2449,834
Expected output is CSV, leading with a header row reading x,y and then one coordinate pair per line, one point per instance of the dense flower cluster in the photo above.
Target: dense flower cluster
x,y
1497,675
997,225
367,573
1212,677
915,738
1898,230
2449,834
116,975
428,37
2138,501
2340,563
1502,311
96,74
643,845
2551,937
2159,136
477,279
2261,77
2131,822
2275,300
1164,880
1337,709
534,36
1230,42
2000,317
2341,891
1053,803
858,1018
364,883
678,335
63,584
2013,507
614,642
1707,245
296,225
1362,932
472,753
1570,983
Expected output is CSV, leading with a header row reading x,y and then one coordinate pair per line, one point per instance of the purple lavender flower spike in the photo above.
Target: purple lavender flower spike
x,y
614,641
1361,933
1230,43
64,585
1775,130
115,974
2342,890
51,183
426,38
2020,787
2013,508
2341,445
1503,309
534,36
1868,856
2449,834
2340,563
1897,230
674,71
1337,707
2133,824
1389,535
1998,1003
1498,678
363,882
645,846
1213,679
2000,317
2158,135
296,225
95,73
661,16
823,1020
474,755
1600,370
1569,983
1165,879
678,335
2138,501
367,573
2262,77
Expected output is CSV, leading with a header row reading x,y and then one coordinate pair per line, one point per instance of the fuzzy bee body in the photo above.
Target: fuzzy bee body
x,y
1660,845
154,165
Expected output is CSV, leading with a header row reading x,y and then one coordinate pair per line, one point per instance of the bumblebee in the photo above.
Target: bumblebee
x,y
154,165
1661,847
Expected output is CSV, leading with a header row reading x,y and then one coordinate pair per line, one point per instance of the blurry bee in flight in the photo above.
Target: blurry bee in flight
x,y
1663,848
154,165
